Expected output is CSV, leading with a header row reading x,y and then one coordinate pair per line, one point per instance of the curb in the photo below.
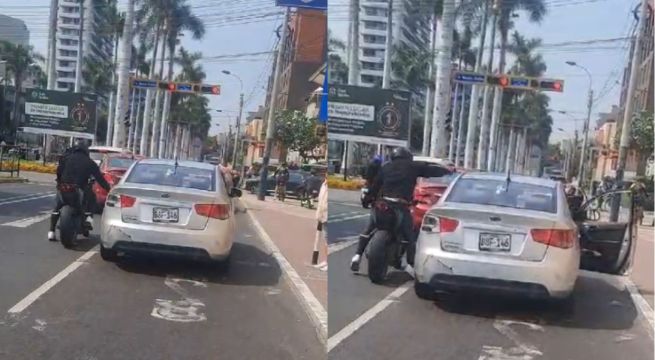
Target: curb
x,y
313,308
12,180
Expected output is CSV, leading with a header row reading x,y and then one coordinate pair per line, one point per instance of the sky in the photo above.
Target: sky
x,y
566,21
233,28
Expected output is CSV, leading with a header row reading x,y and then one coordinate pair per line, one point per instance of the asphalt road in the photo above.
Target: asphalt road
x,y
368,321
139,308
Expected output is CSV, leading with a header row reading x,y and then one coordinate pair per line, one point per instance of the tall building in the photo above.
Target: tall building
x,y
410,29
14,31
97,43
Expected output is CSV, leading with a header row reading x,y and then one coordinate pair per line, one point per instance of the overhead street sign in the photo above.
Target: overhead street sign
x,y
519,82
470,78
144,84
307,4
180,87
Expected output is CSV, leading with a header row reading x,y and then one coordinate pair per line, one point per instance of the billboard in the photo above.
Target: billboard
x,y
307,4
368,115
60,113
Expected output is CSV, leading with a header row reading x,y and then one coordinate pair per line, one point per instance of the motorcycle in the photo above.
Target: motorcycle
x,y
364,198
72,222
387,245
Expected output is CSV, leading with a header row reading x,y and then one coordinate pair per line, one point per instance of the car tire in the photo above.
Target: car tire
x,y
108,254
424,291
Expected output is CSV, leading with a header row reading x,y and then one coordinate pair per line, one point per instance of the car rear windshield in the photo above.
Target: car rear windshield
x,y
501,193
121,163
442,180
96,155
169,175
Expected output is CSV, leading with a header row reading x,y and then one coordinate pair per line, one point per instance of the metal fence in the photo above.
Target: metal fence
x,y
10,157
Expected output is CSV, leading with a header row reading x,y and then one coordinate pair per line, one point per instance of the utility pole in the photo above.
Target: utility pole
x,y
492,120
122,94
79,65
353,66
237,142
429,96
386,78
270,127
52,63
626,127
474,110
442,81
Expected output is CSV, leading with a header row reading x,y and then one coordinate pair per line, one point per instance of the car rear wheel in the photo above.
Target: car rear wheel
x,y
108,254
424,291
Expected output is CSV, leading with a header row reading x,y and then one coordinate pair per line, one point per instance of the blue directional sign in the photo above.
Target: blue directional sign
x,y
307,4
323,113
144,84
470,78
519,82
180,87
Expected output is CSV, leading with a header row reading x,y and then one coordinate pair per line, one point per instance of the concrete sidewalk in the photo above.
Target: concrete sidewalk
x,y
293,228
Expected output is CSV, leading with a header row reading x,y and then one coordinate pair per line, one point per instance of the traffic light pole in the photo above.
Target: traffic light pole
x,y
270,127
585,137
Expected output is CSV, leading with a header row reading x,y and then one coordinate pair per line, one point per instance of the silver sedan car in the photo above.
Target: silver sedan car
x,y
168,207
499,233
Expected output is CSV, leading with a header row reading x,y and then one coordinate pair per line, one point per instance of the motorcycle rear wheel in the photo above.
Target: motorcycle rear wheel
x,y
377,256
68,225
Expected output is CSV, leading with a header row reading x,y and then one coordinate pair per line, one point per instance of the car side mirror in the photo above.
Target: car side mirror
x,y
235,193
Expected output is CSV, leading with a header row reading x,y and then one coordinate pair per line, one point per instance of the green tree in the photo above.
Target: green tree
x,y
297,132
20,59
338,69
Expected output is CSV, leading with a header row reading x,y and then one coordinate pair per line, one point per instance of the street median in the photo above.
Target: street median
x,y
337,182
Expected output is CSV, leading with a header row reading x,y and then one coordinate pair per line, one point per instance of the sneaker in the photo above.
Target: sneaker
x,y
354,263
51,236
407,267
89,220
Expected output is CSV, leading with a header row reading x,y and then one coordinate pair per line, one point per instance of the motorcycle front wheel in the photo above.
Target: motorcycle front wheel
x,y
377,256
68,226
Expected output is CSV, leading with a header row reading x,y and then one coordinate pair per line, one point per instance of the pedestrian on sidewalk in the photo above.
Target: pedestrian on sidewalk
x,y
321,217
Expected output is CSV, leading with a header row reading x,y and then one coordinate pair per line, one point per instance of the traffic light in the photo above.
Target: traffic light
x,y
166,86
551,85
498,80
210,89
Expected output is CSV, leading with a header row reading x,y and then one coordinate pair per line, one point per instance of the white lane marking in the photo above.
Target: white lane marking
x,y
185,310
522,350
642,305
40,325
26,199
313,307
351,328
23,223
348,218
38,292
355,205
23,196
344,244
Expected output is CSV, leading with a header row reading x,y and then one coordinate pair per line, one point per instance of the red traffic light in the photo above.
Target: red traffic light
x,y
171,87
552,85
503,81
216,90
557,86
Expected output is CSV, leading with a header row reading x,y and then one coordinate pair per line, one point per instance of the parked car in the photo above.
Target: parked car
x,y
296,178
113,166
426,193
98,152
165,207
514,235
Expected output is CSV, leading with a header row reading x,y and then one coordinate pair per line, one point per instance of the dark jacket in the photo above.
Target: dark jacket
x,y
397,178
77,167
372,171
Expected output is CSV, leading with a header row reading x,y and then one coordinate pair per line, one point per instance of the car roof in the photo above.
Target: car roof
x,y
107,149
514,177
433,160
184,163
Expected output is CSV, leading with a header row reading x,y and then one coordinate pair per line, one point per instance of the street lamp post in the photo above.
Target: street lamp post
x,y
238,126
585,139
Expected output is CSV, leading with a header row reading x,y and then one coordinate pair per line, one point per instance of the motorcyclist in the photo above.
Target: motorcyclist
x,y
73,173
372,170
397,180
310,184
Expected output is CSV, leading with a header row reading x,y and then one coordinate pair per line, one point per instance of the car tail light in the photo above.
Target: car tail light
x,y
110,179
216,211
554,237
444,224
127,201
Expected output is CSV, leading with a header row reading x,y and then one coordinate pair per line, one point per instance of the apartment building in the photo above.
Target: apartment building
x,y
97,43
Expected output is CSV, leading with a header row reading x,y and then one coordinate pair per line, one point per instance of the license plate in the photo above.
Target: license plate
x,y
165,215
495,242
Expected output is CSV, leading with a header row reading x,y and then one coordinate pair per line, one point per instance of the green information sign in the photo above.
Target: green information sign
x,y
368,115
60,113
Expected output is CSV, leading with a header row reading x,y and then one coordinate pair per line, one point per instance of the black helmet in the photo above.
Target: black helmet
x,y
82,145
401,153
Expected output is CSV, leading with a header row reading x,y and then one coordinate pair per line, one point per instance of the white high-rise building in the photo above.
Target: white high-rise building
x,y
14,31
410,29
97,42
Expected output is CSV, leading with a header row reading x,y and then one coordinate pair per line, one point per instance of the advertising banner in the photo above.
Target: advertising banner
x,y
60,113
369,115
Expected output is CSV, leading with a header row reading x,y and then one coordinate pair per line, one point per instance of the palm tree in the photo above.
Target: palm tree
x,y
337,68
19,60
114,26
96,78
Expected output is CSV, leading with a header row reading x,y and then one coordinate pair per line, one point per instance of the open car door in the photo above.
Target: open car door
x,y
606,246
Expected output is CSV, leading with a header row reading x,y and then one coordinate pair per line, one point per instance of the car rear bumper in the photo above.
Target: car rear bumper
x,y
214,242
554,276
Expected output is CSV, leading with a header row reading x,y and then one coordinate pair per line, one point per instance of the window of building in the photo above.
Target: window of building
x,y
370,79
372,66
374,39
375,11
375,25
